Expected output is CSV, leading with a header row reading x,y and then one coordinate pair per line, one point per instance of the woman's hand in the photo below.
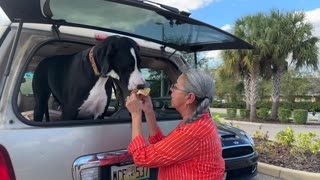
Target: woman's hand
x,y
133,104
147,105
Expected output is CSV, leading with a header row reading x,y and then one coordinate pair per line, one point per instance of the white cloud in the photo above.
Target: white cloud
x,y
214,57
186,5
3,17
313,17
227,27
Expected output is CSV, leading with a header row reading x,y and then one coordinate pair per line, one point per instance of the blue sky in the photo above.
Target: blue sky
x,y
222,12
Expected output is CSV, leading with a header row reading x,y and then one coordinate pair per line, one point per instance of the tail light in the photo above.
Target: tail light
x,y
6,169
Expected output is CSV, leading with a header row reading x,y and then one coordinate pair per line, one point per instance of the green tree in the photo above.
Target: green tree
x,y
314,80
228,88
235,69
275,36
265,88
246,63
287,33
156,78
293,85
201,60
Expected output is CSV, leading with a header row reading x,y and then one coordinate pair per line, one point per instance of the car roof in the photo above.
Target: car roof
x,y
137,18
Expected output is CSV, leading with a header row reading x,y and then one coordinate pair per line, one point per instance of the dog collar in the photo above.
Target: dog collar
x,y
93,63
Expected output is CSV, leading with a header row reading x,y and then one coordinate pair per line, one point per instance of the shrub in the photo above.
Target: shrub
x,y
236,105
315,106
315,147
307,142
284,115
263,113
264,146
244,113
231,112
217,119
300,116
240,105
285,105
216,104
264,104
260,135
302,105
285,137
300,144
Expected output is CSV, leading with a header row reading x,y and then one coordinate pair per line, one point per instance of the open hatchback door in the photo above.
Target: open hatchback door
x,y
142,19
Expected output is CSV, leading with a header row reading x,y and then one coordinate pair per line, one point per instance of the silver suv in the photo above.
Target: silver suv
x,y
96,148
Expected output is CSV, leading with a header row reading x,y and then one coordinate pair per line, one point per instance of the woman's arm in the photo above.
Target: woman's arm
x,y
180,145
152,123
134,107
136,125
155,133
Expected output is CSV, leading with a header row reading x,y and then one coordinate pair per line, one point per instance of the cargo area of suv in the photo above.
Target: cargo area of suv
x,y
152,66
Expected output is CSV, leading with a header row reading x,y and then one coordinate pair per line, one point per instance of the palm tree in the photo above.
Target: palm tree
x,y
234,67
274,37
288,34
227,87
247,62
201,60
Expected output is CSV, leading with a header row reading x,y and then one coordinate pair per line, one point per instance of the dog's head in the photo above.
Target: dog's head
x,y
119,58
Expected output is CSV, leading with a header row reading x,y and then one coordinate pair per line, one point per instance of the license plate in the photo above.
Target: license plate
x,y
129,172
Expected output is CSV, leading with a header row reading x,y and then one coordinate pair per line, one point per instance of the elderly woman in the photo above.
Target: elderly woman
x,y
193,149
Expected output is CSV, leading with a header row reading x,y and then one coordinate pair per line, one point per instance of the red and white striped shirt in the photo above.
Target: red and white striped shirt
x,y
192,151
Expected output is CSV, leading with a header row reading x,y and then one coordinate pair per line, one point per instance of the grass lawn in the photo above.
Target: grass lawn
x,y
222,115
26,87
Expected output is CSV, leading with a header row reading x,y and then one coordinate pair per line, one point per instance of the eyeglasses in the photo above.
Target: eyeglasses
x,y
174,87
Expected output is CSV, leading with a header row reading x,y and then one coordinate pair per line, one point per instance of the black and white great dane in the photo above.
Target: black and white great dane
x,y
80,82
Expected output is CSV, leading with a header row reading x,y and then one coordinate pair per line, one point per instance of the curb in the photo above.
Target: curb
x,y
270,124
285,173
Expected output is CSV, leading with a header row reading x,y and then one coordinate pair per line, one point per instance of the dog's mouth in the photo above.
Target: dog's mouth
x,y
141,86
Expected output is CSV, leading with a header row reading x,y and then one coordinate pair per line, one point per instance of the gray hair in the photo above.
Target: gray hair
x,y
202,85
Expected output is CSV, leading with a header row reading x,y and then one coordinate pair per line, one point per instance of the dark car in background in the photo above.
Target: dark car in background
x,y
238,152
96,149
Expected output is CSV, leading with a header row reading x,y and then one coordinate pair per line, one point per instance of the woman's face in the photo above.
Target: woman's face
x,y
178,94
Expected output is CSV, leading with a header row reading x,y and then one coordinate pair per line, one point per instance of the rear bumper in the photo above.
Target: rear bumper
x,y
243,167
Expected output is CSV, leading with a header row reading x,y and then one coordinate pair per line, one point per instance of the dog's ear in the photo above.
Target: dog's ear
x,y
106,52
105,64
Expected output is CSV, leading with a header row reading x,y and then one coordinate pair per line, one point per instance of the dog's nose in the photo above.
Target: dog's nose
x,y
141,86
